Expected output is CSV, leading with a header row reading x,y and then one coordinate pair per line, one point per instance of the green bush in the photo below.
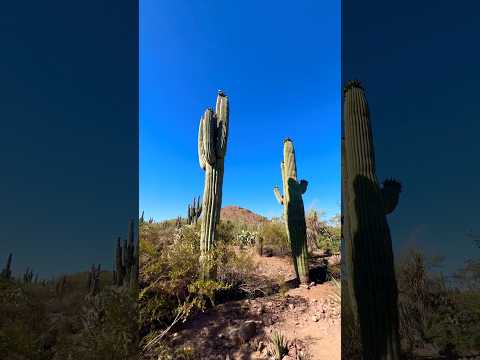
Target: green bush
x,y
275,237
172,288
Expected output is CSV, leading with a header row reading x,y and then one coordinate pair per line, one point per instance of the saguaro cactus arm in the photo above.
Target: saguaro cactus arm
x,y
209,136
278,195
303,186
391,190
201,153
221,111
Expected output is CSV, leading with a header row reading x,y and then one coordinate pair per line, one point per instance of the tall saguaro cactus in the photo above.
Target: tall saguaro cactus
x,y
194,211
368,246
127,261
294,211
212,147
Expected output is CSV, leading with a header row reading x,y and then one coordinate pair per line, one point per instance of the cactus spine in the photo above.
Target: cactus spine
x,y
294,212
212,147
127,261
371,280
194,211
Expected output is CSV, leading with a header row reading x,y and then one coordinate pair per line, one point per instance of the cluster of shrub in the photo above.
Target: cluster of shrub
x,y
439,315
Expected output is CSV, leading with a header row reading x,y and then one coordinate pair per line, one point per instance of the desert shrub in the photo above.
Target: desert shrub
x,y
22,322
109,328
274,237
172,288
246,238
227,232
37,324
322,235
432,312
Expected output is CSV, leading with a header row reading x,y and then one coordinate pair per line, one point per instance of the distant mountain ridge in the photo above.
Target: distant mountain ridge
x,y
237,213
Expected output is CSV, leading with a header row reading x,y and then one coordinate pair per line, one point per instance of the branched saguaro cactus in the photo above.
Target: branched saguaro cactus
x,y
294,211
371,282
127,261
212,147
7,271
194,211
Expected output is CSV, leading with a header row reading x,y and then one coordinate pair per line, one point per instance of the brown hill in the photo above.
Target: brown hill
x,y
238,214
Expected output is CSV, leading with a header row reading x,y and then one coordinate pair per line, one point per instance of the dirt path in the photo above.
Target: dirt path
x,y
308,318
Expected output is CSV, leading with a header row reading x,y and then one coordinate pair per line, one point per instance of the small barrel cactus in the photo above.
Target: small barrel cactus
x,y
371,282
294,211
212,147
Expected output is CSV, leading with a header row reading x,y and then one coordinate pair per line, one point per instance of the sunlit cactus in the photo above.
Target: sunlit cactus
x,y
212,147
371,283
194,211
293,210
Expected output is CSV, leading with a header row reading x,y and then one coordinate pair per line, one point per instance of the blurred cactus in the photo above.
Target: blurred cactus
x,y
259,245
127,261
194,211
150,221
60,287
142,219
178,222
28,276
7,271
371,283
212,147
293,211
93,282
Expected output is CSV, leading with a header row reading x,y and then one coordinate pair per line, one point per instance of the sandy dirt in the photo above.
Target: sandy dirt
x,y
309,318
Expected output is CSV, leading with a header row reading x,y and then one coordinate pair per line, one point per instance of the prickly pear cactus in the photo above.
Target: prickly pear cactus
x,y
212,147
294,211
371,283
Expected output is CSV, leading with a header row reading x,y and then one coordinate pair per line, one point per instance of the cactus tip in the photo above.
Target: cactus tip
x,y
352,84
221,93
287,139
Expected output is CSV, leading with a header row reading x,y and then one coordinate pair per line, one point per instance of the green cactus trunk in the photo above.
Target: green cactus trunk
x,y
294,212
212,146
371,283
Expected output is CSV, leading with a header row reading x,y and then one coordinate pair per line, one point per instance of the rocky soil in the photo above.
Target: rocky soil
x,y
309,318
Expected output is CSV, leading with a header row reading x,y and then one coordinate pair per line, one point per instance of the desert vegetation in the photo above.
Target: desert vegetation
x,y
174,298
86,315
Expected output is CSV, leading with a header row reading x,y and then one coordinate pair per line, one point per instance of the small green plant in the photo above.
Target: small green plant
x,y
278,346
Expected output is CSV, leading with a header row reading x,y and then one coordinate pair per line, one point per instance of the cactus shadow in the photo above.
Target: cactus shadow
x,y
373,273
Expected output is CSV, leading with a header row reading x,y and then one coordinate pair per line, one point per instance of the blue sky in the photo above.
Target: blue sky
x,y
280,67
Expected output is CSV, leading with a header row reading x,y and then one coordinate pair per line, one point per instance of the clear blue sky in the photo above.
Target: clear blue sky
x,y
279,63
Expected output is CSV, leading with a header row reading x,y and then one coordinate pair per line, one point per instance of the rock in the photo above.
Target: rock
x,y
288,357
314,318
291,306
247,330
269,304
